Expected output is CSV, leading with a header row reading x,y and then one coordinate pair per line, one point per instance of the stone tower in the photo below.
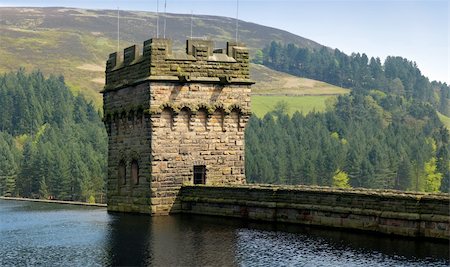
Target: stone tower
x,y
174,118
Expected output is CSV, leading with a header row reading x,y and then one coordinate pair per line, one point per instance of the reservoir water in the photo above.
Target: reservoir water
x,y
40,234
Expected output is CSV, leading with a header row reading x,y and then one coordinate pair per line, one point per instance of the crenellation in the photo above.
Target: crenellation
x,y
156,60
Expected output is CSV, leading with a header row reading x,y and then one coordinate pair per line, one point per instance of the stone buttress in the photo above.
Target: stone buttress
x,y
173,119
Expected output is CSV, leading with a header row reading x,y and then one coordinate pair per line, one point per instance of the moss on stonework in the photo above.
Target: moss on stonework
x,y
160,63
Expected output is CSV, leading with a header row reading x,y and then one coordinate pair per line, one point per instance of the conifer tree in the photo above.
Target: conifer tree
x,y
340,179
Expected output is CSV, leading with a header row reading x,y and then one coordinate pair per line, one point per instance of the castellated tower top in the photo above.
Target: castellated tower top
x,y
199,63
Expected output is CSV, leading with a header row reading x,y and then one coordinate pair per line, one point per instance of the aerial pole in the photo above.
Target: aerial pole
x,y
237,19
157,18
192,18
165,17
118,30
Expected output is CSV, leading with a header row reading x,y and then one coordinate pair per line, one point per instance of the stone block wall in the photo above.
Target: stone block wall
x,y
196,124
389,212
129,138
166,112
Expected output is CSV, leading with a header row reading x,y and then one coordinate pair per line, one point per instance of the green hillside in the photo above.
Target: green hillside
x,y
76,42
272,82
299,94
303,104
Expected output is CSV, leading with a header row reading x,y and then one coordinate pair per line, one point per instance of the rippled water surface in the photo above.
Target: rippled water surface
x,y
63,235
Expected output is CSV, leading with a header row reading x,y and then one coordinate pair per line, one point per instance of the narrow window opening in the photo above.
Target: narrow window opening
x,y
135,172
122,172
199,174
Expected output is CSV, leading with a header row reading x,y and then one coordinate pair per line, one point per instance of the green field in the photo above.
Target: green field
x,y
300,94
304,104
445,120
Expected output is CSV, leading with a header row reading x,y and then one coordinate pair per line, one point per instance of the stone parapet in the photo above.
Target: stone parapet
x,y
389,212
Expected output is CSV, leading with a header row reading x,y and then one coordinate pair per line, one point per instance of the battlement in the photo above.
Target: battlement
x,y
157,62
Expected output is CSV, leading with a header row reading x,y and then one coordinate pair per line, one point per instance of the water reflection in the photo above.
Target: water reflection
x,y
128,240
170,241
59,235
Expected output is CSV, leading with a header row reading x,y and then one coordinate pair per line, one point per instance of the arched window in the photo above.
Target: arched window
x,y
135,172
122,172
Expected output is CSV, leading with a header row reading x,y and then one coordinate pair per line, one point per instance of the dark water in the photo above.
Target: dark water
x,y
61,235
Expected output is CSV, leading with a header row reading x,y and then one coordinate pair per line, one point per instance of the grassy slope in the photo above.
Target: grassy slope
x,y
57,52
272,82
303,104
300,94
76,42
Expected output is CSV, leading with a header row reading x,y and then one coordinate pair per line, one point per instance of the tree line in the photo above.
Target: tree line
x,y
370,140
396,75
52,143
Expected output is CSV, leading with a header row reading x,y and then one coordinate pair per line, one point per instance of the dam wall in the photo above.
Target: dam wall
x,y
384,211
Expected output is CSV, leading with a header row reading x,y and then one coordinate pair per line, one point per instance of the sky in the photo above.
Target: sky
x,y
414,29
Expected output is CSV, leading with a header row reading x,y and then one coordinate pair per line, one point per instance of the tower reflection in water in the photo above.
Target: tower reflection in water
x,y
180,240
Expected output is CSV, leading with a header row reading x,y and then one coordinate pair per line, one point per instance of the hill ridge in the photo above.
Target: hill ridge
x,y
60,40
